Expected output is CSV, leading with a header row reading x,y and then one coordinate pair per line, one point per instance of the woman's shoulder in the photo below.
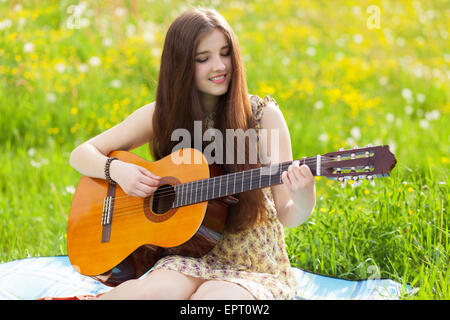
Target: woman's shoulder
x,y
260,106
267,113
258,102
149,107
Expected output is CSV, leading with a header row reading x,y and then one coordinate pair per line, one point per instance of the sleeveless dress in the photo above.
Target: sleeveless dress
x,y
255,258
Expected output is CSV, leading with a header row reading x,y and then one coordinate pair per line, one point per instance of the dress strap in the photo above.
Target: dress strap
x,y
258,105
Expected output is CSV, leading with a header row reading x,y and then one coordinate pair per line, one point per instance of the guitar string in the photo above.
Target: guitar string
x,y
163,191
131,202
276,167
168,191
138,202
138,207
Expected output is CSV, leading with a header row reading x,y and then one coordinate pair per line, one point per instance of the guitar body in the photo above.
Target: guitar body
x,y
124,240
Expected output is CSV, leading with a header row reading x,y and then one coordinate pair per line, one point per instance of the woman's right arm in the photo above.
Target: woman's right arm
x,y
89,158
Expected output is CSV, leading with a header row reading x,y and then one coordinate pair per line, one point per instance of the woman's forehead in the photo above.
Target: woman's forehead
x,y
214,40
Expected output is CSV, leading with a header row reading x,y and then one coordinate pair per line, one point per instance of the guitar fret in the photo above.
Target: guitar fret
x,y
259,178
234,183
226,186
270,175
190,192
175,203
181,195
195,191
201,191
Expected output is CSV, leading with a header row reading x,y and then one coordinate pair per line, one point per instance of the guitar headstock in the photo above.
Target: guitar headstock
x,y
358,163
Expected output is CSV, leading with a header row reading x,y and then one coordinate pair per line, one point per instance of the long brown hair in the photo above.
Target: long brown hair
x,y
178,103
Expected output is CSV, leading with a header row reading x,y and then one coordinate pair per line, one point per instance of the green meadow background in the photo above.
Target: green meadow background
x,y
342,76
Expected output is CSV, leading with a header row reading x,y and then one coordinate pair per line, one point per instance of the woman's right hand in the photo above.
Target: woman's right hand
x,y
134,180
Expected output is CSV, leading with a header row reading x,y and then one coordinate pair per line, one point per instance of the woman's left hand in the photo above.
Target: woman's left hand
x,y
298,179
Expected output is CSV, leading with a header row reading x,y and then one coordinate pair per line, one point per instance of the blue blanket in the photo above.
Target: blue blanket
x,y
35,278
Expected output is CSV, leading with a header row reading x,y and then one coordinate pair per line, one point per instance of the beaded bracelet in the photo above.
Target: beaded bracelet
x,y
107,165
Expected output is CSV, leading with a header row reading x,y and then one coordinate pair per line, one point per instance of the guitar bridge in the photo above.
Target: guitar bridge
x,y
108,210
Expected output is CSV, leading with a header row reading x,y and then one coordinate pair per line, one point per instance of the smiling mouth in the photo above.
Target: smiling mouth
x,y
218,79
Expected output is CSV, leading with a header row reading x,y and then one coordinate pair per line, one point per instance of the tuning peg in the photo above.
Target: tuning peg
x,y
343,181
341,149
355,147
371,180
355,182
369,146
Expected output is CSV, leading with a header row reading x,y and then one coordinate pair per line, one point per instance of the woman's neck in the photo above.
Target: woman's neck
x,y
208,102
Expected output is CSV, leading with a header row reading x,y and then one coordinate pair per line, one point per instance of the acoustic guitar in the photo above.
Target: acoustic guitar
x,y
114,237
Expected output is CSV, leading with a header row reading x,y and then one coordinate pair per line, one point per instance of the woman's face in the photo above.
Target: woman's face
x,y
213,67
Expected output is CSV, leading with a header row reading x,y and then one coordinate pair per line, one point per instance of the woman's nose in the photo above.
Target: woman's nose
x,y
218,64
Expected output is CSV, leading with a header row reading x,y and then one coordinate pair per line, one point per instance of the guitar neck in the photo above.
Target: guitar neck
x,y
237,182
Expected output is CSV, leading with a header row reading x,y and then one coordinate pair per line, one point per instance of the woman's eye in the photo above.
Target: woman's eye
x,y
202,60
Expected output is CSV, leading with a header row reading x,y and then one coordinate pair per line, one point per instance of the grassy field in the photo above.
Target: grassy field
x,y
342,77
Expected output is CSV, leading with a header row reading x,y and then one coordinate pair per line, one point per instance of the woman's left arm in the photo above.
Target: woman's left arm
x,y
295,198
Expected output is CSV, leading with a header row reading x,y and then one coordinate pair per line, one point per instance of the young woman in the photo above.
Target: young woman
x,y
202,78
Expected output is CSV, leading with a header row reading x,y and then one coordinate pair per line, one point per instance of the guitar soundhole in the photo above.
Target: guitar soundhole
x,y
163,199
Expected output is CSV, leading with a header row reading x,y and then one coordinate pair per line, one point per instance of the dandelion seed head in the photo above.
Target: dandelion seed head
x,y
28,47
51,97
94,61
420,97
83,68
356,133
311,51
424,124
409,110
318,105
358,38
390,117
60,67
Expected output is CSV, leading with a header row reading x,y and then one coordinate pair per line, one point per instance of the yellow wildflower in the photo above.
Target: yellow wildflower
x,y
333,94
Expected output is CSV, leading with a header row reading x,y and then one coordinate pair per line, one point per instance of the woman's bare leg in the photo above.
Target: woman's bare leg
x,y
159,284
221,290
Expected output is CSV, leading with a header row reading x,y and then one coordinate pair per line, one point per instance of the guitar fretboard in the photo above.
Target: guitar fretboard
x,y
232,183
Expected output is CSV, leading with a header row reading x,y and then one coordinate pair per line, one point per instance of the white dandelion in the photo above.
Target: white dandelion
x,y
94,61
356,133
28,47
60,67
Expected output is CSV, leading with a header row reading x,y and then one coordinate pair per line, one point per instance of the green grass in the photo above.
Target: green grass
x,y
338,83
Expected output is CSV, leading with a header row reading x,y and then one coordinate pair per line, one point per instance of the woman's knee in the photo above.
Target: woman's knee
x,y
157,285
221,290
168,285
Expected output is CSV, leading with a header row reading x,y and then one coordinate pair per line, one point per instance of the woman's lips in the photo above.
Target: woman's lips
x,y
218,79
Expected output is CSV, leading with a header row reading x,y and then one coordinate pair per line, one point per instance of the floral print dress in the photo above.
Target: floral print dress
x,y
255,258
